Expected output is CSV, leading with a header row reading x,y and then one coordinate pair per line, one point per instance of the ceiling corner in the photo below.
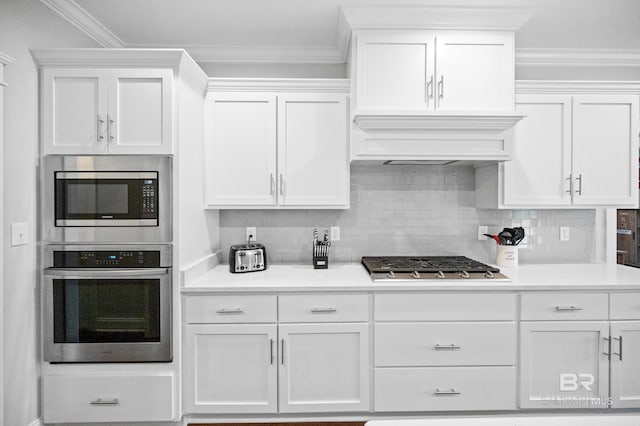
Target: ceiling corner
x,y
85,22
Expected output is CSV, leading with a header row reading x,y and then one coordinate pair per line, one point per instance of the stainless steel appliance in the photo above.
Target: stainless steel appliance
x,y
422,268
107,303
248,257
106,198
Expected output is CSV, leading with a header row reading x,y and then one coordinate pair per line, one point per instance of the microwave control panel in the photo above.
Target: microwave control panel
x,y
106,259
149,199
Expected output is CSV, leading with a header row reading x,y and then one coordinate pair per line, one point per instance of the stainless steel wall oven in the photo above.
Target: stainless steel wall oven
x,y
107,199
107,303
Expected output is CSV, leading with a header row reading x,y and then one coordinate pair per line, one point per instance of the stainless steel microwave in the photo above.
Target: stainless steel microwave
x,y
107,198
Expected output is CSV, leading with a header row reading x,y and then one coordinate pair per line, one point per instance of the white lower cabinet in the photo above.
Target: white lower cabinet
x,y
625,365
317,364
85,398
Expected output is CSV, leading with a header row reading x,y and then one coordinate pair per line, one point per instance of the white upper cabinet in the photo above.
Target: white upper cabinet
x,y
106,111
420,71
573,149
269,149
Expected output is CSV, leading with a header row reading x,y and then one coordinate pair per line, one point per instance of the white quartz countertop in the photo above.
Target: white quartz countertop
x,y
354,277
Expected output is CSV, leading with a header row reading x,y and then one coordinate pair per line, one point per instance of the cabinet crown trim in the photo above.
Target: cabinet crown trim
x,y
109,58
437,17
5,59
578,57
577,87
299,85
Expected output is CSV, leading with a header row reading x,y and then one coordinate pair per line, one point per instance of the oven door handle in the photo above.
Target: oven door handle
x,y
105,272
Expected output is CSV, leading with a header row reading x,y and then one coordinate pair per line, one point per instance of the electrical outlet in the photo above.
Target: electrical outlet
x,y
335,233
251,234
482,229
19,233
564,233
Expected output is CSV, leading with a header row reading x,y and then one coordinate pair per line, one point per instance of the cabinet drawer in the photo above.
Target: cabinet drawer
x,y
231,309
435,344
324,308
94,398
624,306
445,307
564,306
445,389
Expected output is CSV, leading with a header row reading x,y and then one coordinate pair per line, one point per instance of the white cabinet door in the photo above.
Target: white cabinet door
x,y
313,165
395,70
605,150
140,111
475,70
230,368
541,154
625,365
240,156
74,108
324,367
563,364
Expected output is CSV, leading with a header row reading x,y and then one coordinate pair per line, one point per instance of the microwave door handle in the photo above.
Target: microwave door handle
x,y
104,272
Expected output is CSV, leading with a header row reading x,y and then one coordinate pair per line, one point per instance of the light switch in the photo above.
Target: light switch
x,y
19,233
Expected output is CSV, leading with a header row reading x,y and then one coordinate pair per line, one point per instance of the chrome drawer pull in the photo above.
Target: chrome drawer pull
x,y
567,308
619,339
450,347
230,311
439,392
608,354
101,401
323,310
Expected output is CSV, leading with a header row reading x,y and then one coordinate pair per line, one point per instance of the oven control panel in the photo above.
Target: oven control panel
x,y
106,259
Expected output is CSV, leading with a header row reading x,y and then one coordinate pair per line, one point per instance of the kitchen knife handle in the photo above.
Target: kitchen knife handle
x,y
619,353
99,122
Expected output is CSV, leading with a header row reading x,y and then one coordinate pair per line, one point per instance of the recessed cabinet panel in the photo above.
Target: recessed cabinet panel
x,y
141,110
475,71
605,150
395,71
541,153
625,366
74,112
312,150
231,369
241,154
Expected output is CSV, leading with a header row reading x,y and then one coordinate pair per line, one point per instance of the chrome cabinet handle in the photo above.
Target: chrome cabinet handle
x,y
567,308
323,310
570,179
450,347
281,185
272,184
579,179
271,351
233,311
101,401
282,352
99,122
441,87
109,123
452,391
619,353
429,90
608,354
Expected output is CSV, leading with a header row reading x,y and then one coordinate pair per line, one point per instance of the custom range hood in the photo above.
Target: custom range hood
x,y
433,84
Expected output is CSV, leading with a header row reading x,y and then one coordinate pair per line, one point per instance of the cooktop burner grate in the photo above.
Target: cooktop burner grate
x,y
421,264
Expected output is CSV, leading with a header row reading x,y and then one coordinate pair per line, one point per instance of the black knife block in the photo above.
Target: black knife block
x,y
320,262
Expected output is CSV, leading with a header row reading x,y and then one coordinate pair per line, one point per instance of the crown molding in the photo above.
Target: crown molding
x,y
437,17
5,59
577,87
191,72
294,85
84,21
578,57
108,58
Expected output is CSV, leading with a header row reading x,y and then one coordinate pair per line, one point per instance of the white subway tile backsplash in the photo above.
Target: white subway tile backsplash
x,y
412,210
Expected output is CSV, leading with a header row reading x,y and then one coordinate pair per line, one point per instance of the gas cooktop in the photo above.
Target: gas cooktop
x,y
412,268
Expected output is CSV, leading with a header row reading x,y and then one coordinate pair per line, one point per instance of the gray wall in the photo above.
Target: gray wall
x,y
412,210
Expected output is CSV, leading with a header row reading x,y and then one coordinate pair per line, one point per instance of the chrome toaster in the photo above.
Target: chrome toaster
x,y
247,258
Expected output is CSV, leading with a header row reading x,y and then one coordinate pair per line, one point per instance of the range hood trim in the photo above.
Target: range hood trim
x,y
458,121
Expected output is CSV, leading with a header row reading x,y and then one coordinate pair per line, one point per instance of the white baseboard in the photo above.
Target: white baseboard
x,y
191,272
